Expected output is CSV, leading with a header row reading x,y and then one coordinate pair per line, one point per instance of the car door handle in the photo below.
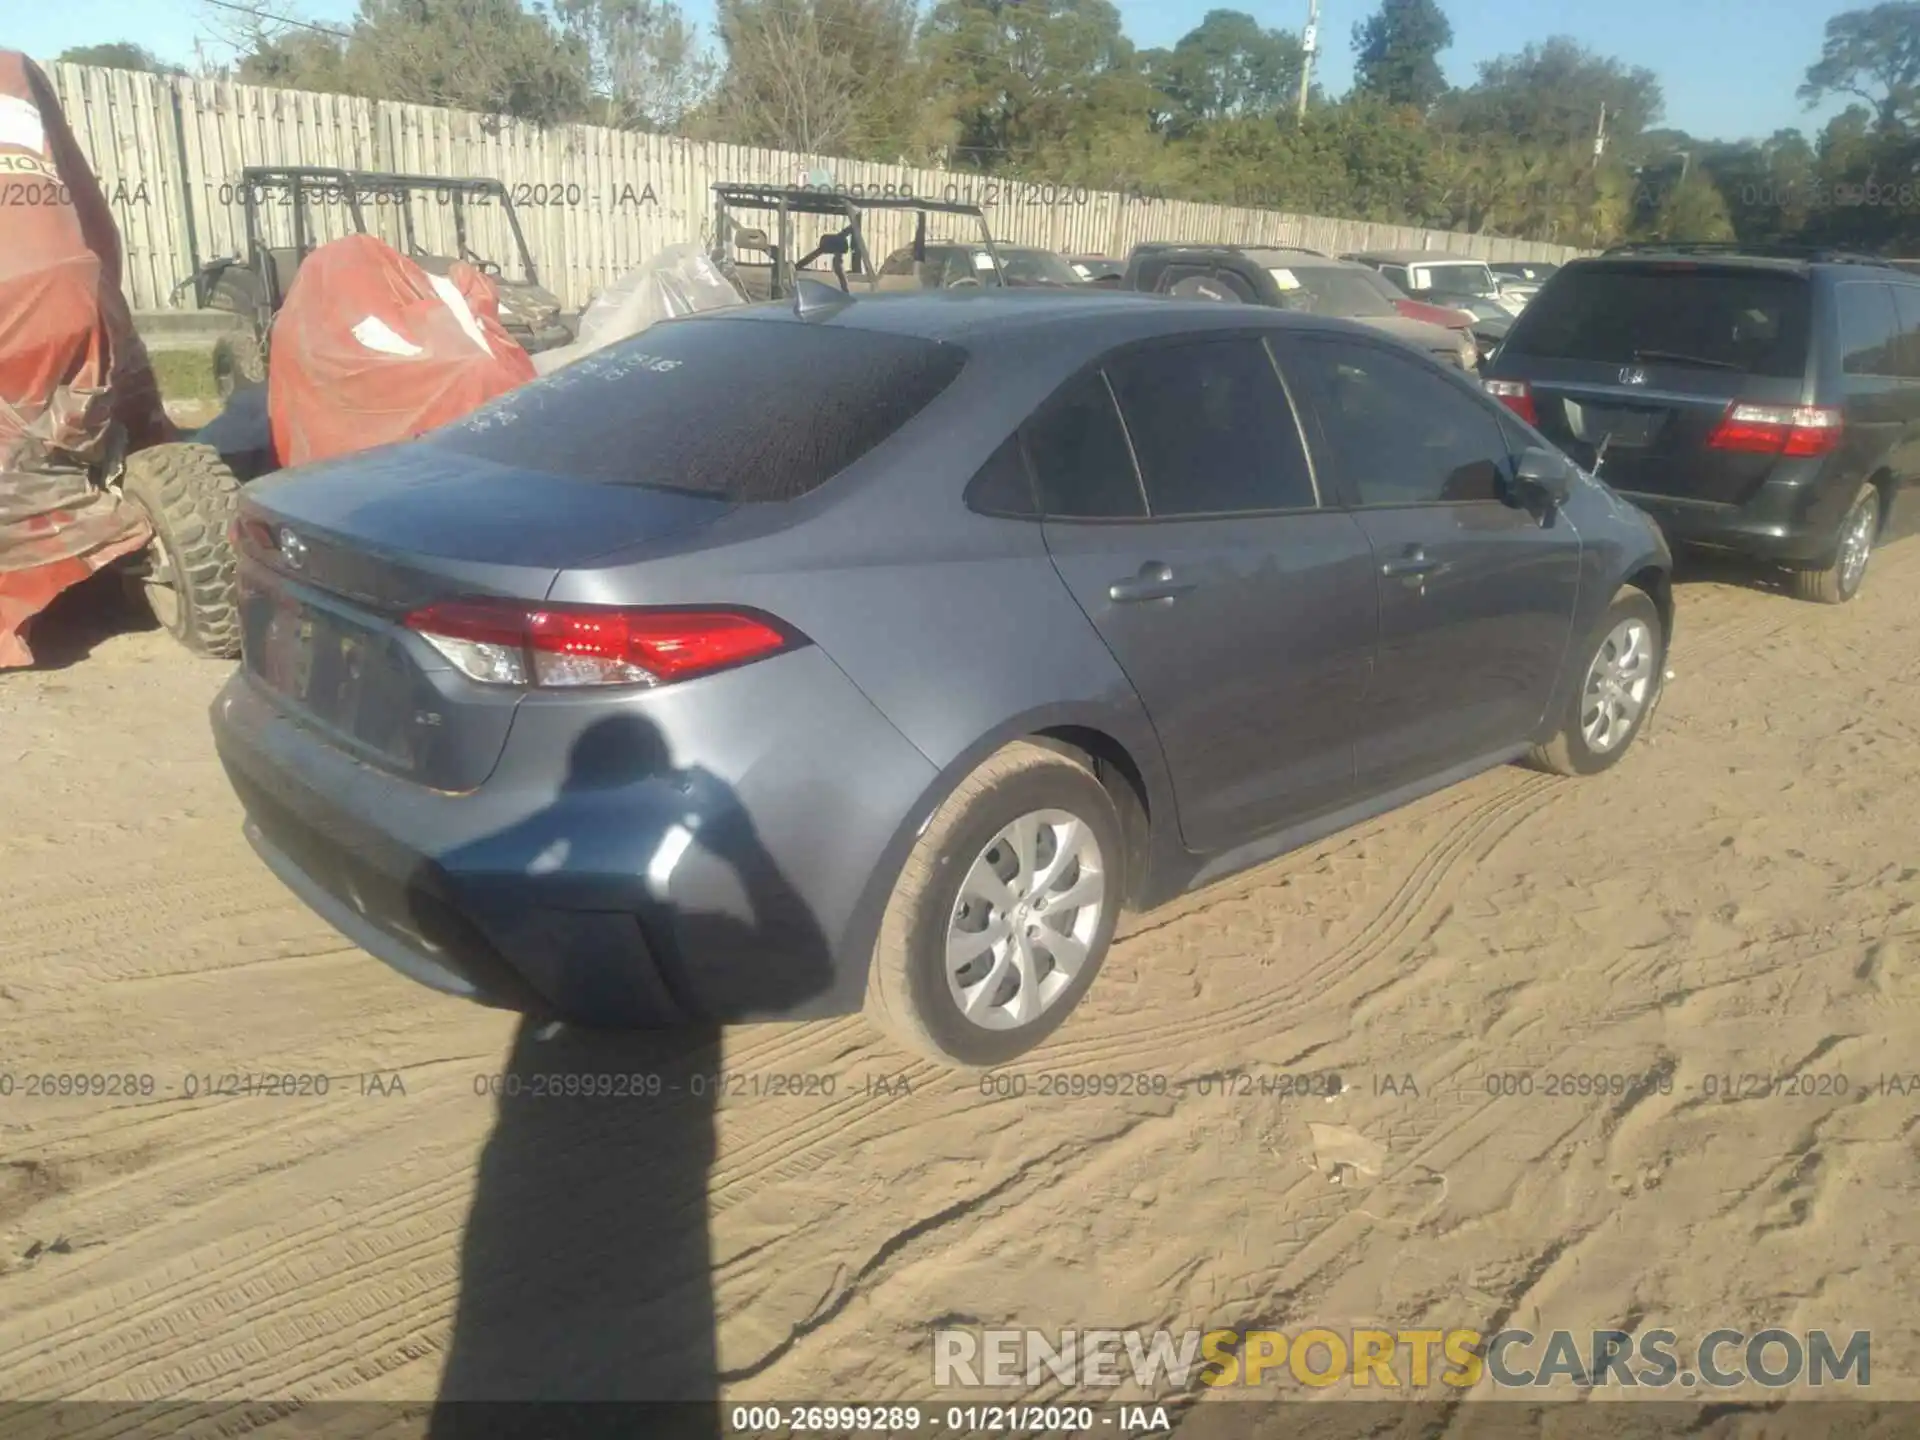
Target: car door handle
x,y
1416,564
1154,582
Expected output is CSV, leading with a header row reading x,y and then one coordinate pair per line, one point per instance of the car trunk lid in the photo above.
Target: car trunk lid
x,y
1657,424
333,557
1649,358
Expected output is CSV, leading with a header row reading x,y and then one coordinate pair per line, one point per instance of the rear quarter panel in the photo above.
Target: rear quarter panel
x,y
955,625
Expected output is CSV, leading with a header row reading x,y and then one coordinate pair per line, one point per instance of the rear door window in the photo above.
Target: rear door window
x,y
743,410
1753,321
1868,324
1082,465
1212,428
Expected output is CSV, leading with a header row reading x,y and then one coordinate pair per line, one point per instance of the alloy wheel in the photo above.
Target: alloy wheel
x,y
1619,683
1024,920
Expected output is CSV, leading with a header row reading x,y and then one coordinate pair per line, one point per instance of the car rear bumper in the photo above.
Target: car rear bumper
x,y
1794,520
728,863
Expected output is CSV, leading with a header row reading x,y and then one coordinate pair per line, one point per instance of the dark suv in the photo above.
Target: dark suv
x,y
1762,402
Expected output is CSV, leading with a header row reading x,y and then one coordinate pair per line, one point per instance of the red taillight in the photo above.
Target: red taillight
x,y
1516,395
1795,431
502,643
246,532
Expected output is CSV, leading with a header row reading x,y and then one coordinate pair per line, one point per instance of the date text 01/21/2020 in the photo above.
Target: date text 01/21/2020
x,y
113,1085
1719,1086
898,1419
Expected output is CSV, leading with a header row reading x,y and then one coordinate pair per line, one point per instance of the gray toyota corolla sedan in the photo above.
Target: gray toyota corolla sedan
x,y
782,662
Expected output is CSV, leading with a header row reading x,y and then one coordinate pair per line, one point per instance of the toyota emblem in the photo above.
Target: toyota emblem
x,y
293,549
1633,375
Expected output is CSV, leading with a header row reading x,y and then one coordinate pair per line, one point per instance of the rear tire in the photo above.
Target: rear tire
x,y
974,967
190,497
1624,667
238,360
1840,581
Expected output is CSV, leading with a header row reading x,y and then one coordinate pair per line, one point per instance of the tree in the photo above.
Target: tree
x,y
1023,75
1770,189
118,55
828,77
1397,52
1552,94
1227,65
486,55
1693,210
1875,55
298,60
644,61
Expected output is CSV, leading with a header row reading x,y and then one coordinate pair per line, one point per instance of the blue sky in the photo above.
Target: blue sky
x,y
1729,67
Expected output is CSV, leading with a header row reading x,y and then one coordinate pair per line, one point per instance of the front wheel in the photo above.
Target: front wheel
x,y
1620,685
1003,911
1840,581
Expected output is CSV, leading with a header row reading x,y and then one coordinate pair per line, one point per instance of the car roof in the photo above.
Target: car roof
x,y
1724,260
974,316
1800,260
1260,254
1416,257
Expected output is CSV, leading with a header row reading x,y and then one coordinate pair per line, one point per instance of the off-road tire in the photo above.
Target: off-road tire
x,y
1568,753
907,994
1827,586
190,497
238,360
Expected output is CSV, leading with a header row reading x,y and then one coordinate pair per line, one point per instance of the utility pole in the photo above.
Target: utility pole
x,y
1600,137
1309,42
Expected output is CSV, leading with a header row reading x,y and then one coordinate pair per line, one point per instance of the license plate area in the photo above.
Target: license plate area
x,y
350,678
1620,427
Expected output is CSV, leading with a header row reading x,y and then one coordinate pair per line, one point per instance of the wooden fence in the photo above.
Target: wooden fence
x,y
592,202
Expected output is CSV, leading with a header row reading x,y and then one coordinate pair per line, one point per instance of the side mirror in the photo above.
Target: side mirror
x,y
1547,473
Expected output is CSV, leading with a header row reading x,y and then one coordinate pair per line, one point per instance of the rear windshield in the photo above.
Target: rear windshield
x,y
1751,321
1324,290
744,410
1460,279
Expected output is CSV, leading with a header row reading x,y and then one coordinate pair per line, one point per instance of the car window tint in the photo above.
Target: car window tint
x,y
1868,324
1176,275
1212,428
1003,485
1400,435
1080,458
1755,321
1906,346
663,410
1235,283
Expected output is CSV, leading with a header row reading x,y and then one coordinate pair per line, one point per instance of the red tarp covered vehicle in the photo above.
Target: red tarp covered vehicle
x,y
370,349
77,392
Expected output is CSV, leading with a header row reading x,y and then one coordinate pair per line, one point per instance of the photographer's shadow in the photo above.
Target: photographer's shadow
x,y
585,1271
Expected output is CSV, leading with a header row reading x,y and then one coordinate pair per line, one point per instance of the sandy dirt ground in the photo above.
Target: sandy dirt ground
x,y
1731,913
